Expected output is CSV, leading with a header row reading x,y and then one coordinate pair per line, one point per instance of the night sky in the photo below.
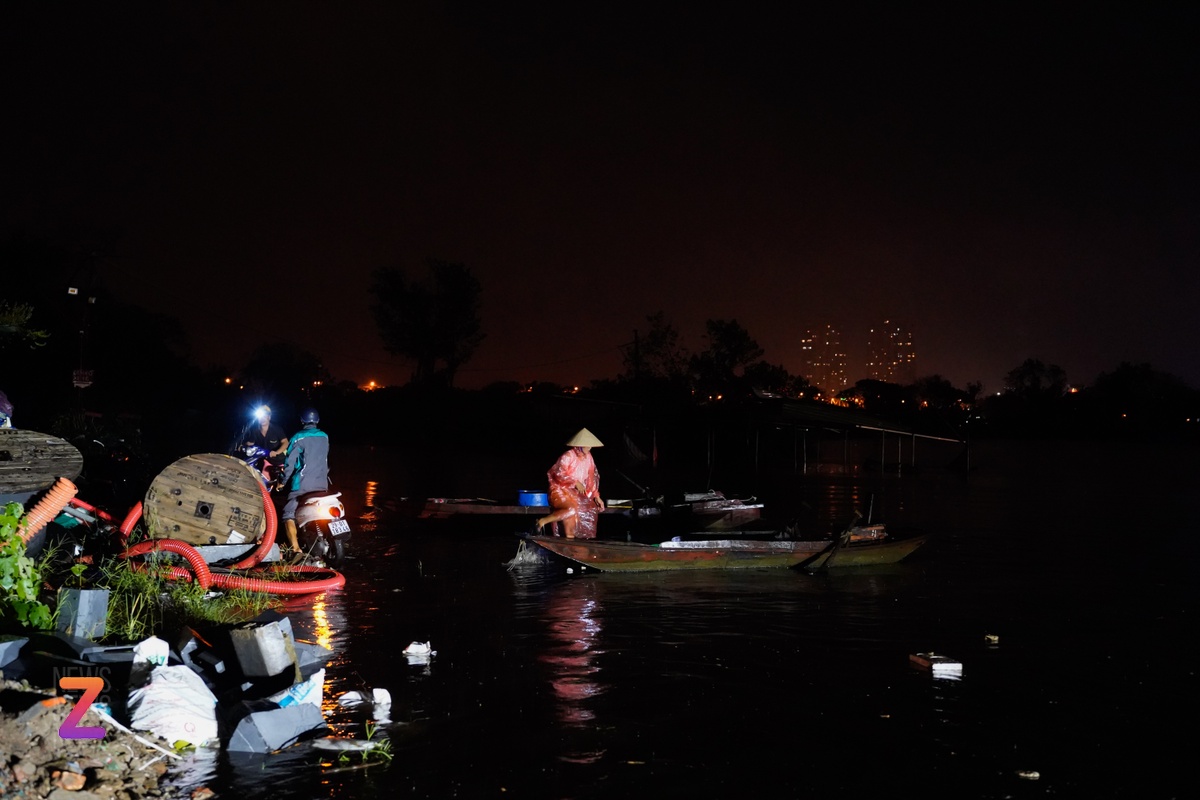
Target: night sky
x,y
1004,182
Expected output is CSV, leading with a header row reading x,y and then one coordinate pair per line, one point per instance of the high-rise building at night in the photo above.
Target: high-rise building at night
x,y
824,359
891,354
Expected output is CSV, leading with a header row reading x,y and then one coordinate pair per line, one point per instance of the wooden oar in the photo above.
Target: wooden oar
x,y
837,544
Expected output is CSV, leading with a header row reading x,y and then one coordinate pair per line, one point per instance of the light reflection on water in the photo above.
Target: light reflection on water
x,y
715,683
574,630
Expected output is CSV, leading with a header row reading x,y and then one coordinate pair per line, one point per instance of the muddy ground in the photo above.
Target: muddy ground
x,y
35,762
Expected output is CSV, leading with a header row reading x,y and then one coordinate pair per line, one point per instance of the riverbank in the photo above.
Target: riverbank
x,y
36,762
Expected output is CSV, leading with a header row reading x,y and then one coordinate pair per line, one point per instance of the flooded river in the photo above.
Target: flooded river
x,y
1060,577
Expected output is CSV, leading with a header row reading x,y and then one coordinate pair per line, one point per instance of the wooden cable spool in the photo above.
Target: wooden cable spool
x,y
203,499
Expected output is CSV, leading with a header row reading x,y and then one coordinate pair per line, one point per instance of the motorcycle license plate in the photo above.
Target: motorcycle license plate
x,y
339,526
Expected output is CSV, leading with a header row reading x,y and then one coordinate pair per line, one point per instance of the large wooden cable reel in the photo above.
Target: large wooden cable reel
x,y
203,499
32,461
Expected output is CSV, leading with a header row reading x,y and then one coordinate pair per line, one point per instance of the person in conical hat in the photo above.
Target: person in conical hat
x,y
575,488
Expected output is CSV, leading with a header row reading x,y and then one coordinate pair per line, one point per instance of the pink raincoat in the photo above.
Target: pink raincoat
x,y
576,466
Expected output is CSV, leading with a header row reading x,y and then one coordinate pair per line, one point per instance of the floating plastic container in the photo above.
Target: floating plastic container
x,y
525,497
939,665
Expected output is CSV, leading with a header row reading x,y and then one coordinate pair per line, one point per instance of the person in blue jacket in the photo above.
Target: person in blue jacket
x,y
306,469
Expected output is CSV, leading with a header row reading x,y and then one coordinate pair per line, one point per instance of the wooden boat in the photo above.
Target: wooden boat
x,y
699,511
452,507
867,552
677,554
711,511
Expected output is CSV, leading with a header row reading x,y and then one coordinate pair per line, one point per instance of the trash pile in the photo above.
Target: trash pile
x,y
250,688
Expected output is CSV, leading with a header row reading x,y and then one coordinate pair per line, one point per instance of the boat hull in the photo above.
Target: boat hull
x,y
613,556
867,553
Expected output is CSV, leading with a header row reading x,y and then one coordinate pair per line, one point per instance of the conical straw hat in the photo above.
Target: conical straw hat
x,y
584,439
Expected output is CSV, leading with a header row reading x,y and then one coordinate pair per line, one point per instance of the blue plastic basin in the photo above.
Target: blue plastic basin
x,y
526,497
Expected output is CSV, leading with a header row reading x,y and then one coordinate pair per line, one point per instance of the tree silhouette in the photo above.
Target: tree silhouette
x,y
934,391
433,321
283,371
1140,398
730,349
658,357
776,379
1033,381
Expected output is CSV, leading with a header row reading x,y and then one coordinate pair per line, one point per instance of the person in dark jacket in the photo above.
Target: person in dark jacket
x,y
268,436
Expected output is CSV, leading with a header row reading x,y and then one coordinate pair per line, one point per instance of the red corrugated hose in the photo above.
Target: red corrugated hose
x,y
206,577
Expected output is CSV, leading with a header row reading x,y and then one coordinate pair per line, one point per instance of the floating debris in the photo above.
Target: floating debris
x,y
939,665
344,745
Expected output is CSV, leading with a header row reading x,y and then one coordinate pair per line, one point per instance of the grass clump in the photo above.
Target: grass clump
x,y
144,602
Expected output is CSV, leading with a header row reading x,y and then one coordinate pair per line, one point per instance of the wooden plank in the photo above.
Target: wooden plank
x,y
201,499
32,461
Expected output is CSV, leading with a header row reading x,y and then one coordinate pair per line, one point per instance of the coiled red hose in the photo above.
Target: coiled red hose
x,y
229,581
46,509
205,577
199,566
335,581
268,537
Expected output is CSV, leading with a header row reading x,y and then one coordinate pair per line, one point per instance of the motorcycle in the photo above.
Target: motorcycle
x,y
270,473
321,525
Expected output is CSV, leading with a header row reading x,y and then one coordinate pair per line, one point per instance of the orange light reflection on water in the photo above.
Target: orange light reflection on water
x,y
321,626
370,493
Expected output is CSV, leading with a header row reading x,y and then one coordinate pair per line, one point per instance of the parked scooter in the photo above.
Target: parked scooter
x,y
322,527
321,524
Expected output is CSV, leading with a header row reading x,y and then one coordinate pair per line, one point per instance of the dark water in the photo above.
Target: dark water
x,y
1079,558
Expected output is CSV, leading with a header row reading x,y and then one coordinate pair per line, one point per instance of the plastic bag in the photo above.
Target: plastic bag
x,y
147,654
176,705
311,691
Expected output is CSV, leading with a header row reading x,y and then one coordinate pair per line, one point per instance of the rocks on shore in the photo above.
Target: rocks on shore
x,y
35,762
